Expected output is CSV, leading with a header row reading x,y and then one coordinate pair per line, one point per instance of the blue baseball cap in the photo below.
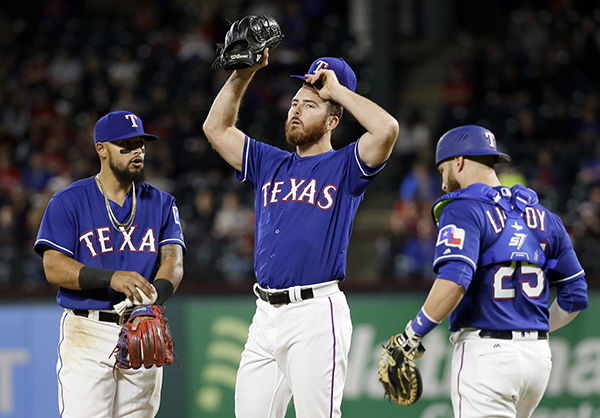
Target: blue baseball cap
x,y
342,70
118,125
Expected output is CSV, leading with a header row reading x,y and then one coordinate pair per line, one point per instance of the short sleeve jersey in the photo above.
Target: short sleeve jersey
x,y
504,293
76,223
305,209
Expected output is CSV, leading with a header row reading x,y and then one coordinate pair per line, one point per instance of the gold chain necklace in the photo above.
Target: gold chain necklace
x,y
113,219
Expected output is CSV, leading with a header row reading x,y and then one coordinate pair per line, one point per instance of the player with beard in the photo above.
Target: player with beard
x,y
305,206
498,254
103,239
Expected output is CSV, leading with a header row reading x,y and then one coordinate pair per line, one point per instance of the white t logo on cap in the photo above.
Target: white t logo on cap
x,y
320,64
491,139
133,119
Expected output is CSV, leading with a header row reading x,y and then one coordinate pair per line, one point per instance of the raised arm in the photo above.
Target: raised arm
x,y
219,126
375,146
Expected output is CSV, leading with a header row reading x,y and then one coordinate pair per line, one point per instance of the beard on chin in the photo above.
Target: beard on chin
x,y
124,175
301,135
453,185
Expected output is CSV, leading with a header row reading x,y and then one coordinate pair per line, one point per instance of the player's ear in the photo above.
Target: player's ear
x,y
459,162
332,122
101,149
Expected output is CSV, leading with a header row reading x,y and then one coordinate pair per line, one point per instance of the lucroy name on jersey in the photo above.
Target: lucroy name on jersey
x,y
534,218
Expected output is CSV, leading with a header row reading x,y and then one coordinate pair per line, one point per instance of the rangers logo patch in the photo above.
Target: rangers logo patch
x,y
451,236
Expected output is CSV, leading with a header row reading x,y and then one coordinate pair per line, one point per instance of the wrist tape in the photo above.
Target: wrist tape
x,y
164,290
93,278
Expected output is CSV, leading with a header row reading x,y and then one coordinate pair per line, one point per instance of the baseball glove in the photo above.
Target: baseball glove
x,y
245,42
150,343
399,374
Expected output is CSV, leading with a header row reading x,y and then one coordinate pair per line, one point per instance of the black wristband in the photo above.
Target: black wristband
x,y
93,278
164,290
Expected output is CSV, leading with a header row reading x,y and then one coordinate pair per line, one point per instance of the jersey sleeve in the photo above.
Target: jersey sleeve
x,y
359,175
566,273
459,236
57,229
257,154
565,265
172,232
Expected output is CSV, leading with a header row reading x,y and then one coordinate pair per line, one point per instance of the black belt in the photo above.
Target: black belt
x,y
507,335
283,297
105,316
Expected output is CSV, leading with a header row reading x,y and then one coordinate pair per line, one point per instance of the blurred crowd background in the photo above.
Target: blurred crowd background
x,y
527,70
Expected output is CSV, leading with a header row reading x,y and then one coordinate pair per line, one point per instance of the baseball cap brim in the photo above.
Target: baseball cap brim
x,y
317,85
147,137
301,77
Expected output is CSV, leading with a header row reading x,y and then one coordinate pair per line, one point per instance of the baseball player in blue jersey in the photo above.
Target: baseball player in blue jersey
x,y
497,254
305,205
104,239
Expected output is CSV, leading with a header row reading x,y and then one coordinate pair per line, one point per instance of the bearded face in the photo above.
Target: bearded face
x,y
449,182
301,135
127,167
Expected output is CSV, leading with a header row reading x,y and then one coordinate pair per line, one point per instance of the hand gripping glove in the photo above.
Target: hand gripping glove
x,y
245,42
398,372
150,344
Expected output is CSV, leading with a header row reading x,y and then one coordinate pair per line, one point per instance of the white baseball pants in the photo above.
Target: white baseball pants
x,y
88,386
300,350
497,377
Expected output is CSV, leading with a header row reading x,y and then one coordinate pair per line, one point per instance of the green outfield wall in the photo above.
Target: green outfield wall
x,y
210,334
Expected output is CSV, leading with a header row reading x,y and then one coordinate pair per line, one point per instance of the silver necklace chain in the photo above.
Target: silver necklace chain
x,y
113,219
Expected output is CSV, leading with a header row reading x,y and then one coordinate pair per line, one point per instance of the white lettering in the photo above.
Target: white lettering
x,y
497,229
127,239
102,239
542,216
293,189
276,190
309,191
327,190
9,357
88,242
501,215
265,191
133,119
532,221
584,378
148,241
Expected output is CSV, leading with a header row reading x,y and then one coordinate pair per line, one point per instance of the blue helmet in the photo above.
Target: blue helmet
x,y
468,140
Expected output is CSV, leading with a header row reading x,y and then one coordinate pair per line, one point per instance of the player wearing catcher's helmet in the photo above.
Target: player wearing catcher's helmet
x,y
498,253
305,205
110,242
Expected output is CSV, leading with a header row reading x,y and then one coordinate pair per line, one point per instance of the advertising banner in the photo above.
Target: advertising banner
x,y
209,338
28,341
217,331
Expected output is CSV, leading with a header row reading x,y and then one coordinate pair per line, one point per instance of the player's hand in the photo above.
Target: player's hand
x,y
127,281
249,71
138,319
328,81
410,341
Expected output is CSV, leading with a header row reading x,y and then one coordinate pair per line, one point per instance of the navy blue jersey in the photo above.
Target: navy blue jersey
x,y
517,249
305,208
76,223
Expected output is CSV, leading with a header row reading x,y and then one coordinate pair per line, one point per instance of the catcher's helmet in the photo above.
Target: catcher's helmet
x,y
468,140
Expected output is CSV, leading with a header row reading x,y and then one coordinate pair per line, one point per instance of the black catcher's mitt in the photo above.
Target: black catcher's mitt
x,y
399,374
245,42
